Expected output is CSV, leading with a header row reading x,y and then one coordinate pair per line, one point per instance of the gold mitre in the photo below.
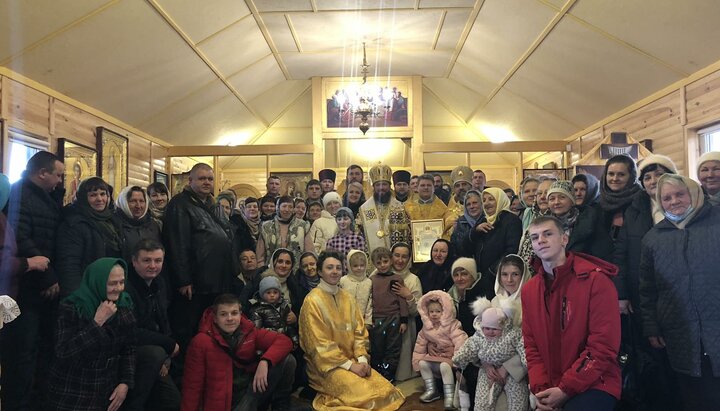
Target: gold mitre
x,y
461,173
380,172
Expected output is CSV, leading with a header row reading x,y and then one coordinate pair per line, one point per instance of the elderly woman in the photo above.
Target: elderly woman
x,y
90,231
464,225
435,274
325,227
679,289
247,224
540,208
334,338
159,197
584,226
136,223
709,175
618,189
528,192
94,360
283,231
586,188
496,234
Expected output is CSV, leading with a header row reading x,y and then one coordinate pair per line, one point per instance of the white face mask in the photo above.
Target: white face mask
x,y
678,218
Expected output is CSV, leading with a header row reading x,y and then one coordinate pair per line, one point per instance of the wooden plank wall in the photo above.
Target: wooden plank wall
x,y
49,118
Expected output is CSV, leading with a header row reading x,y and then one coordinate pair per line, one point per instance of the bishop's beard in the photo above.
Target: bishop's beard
x,y
382,198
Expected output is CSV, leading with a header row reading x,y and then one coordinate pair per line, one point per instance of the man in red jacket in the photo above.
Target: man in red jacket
x,y
571,325
231,365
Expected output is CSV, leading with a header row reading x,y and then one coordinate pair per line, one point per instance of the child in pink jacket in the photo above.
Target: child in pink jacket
x,y
440,338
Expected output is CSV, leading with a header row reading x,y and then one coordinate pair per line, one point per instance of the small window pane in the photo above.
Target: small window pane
x,y
19,156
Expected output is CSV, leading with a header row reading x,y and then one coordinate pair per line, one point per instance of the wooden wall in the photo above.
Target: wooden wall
x,y
48,115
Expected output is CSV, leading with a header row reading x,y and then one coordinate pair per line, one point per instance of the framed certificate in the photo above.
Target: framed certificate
x,y
424,234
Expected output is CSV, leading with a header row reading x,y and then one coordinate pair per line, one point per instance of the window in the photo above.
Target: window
x,y
709,139
22,147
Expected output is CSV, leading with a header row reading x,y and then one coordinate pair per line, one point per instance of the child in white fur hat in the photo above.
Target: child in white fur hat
x,y
495,342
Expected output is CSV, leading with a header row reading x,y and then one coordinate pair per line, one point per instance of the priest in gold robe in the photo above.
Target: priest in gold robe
x,y
335,340
382,218
462,182
426,205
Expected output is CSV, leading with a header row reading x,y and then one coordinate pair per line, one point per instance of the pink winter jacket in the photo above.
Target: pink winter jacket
x,y
438,342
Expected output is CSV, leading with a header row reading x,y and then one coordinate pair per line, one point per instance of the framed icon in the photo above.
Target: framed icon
x,y
424,235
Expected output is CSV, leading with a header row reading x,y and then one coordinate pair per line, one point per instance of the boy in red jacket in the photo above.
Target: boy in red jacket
x,y
571,325
223,370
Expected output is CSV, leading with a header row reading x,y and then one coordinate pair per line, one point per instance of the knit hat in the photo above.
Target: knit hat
x,y
563,187
330,197
326,174
660,159
468,264
401,176
269,283
709,156
493,317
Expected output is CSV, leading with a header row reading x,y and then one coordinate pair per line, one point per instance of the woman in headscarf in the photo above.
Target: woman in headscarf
x,y
94,357
354,197
528,192
642,214
586,188
583,225
283,231
136,223
495,235
307,272
90,231
159,197
325,227
247,223
268,207
679,289
465,224
435,273
709,175
225,205
282,263
618,189
540,208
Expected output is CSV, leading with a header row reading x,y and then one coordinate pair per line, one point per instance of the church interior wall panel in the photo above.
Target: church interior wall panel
x,y
28,109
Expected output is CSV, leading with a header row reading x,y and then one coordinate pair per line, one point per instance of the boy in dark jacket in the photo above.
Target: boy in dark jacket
x,y
222,368
270,310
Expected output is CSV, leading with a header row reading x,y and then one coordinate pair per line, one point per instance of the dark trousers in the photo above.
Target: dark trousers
x,y
184,316
280,382
698,393
385,344
27,343
151,391
591,400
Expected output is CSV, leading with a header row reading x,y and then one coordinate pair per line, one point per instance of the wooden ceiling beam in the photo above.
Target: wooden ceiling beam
x,y
245,150
487,147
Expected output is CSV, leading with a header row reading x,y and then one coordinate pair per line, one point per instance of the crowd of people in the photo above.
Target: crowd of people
x,y
590,294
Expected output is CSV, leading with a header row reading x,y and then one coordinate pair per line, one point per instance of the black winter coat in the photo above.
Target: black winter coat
x,y
150,305
482,288
489,248
589,235
79,243
199,246
135,230
637,221
35,216
679,289
244,240
460,238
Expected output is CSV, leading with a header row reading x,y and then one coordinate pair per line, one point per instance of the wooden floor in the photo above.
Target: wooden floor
x,y
412,390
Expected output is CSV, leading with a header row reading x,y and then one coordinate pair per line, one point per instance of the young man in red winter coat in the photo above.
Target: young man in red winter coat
x,y
223,370
571,325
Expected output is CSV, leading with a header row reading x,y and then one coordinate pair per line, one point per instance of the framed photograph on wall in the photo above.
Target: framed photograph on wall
x,y
558,173
113,158
80,163
160,177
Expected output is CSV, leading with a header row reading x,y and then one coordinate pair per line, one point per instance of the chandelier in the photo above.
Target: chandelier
x,y
364,107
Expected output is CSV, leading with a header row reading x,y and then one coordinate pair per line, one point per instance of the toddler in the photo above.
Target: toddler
x,y
358,284
440,338
495,342
389,314
269,310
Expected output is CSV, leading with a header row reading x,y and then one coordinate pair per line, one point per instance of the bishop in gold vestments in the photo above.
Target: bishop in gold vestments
x,y
333,335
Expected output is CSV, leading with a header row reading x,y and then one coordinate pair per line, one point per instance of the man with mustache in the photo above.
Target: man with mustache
x,y
383,217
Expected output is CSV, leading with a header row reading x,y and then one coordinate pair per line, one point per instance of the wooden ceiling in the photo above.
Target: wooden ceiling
x,y
201,72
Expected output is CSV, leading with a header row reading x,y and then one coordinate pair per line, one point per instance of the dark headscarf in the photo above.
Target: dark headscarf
x,y
437,277
93,288
102,220
616,201
593,188
307,283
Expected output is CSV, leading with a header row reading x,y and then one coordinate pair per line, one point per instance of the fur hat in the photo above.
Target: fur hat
x,y
563,187
330,197
709,156
269,283
468,264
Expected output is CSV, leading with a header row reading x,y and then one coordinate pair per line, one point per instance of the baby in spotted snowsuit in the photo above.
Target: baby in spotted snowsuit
x,y
495,342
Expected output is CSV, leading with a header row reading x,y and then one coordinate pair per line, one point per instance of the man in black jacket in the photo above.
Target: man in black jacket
x,y
200,254
154,389
34,212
